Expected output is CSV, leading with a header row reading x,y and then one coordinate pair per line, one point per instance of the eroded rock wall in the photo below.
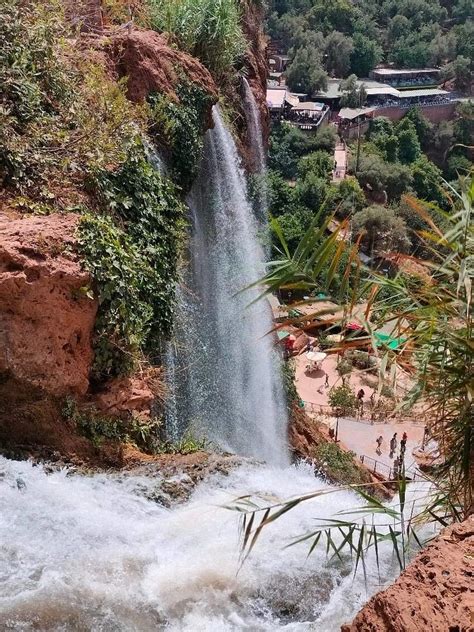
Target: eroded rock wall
x,y
46,318
434,594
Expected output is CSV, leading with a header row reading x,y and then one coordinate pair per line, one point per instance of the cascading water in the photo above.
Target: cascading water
x,y
91,553
254,127
231,387
255,139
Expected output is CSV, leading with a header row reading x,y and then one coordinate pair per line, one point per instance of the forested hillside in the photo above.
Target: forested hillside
x,y
342,37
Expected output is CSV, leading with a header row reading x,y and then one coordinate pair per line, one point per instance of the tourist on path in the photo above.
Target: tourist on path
x,y
379,442
393,445
403,444
360,401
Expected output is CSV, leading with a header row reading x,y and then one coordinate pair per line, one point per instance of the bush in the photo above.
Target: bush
x,y
338,465
180,128
208,29
60,115
98,427
344,367
361,360
132,256
343,399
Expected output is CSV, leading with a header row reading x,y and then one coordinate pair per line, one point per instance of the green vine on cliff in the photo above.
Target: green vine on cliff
x,y
131,253
180,126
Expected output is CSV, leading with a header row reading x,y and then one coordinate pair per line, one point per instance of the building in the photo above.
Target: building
x,y
308,115
278,63
406,78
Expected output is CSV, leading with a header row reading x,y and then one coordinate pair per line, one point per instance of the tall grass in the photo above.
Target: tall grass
x,y
208,29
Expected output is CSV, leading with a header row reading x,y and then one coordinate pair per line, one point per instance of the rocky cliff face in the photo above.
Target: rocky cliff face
x,y
151,65
256,58
434,593
46,319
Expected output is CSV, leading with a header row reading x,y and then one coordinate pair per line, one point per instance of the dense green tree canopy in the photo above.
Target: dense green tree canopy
x,y
410,33
305,73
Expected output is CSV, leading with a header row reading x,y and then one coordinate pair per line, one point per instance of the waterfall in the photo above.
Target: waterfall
x,y
255,135
255,140
231,386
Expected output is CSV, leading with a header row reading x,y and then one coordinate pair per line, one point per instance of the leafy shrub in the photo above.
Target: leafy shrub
x,y
60,115
344,367
338,464
208,29
361,360
180,127
132,256
343,399
96,427
188,444
288,371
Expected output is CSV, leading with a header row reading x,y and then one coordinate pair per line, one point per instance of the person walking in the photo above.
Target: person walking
x,y
379,442
360,401
326,381
393,445
403,444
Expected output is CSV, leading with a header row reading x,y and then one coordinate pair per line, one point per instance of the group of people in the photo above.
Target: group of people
x,y
399,460
393,445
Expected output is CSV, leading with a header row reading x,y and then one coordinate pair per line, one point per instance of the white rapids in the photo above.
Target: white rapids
x,y
90,553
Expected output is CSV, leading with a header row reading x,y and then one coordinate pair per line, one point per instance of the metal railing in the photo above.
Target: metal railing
x,y
377,467
388,472
370,416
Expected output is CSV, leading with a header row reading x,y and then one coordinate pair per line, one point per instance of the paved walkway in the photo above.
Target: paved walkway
x,y
361,439
340,162
358,436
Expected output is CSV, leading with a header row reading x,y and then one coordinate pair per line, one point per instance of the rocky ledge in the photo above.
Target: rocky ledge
x,y
435,593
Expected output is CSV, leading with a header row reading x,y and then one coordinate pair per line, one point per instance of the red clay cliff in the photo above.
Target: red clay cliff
x,y
434,594
46,319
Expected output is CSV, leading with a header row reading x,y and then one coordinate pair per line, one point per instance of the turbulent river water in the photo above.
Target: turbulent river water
x,y
97,553
92,553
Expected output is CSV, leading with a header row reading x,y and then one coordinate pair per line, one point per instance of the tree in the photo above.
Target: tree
x,y
380,125
354,94
281,196
426,178
335,16
347,198
410,51
376,176
318,163
305,74
365,56
311,191
459,71
398,180
443,48
287,145
408,144
464,123
443,138
381,230
325,138
399,26
423,127
338,50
